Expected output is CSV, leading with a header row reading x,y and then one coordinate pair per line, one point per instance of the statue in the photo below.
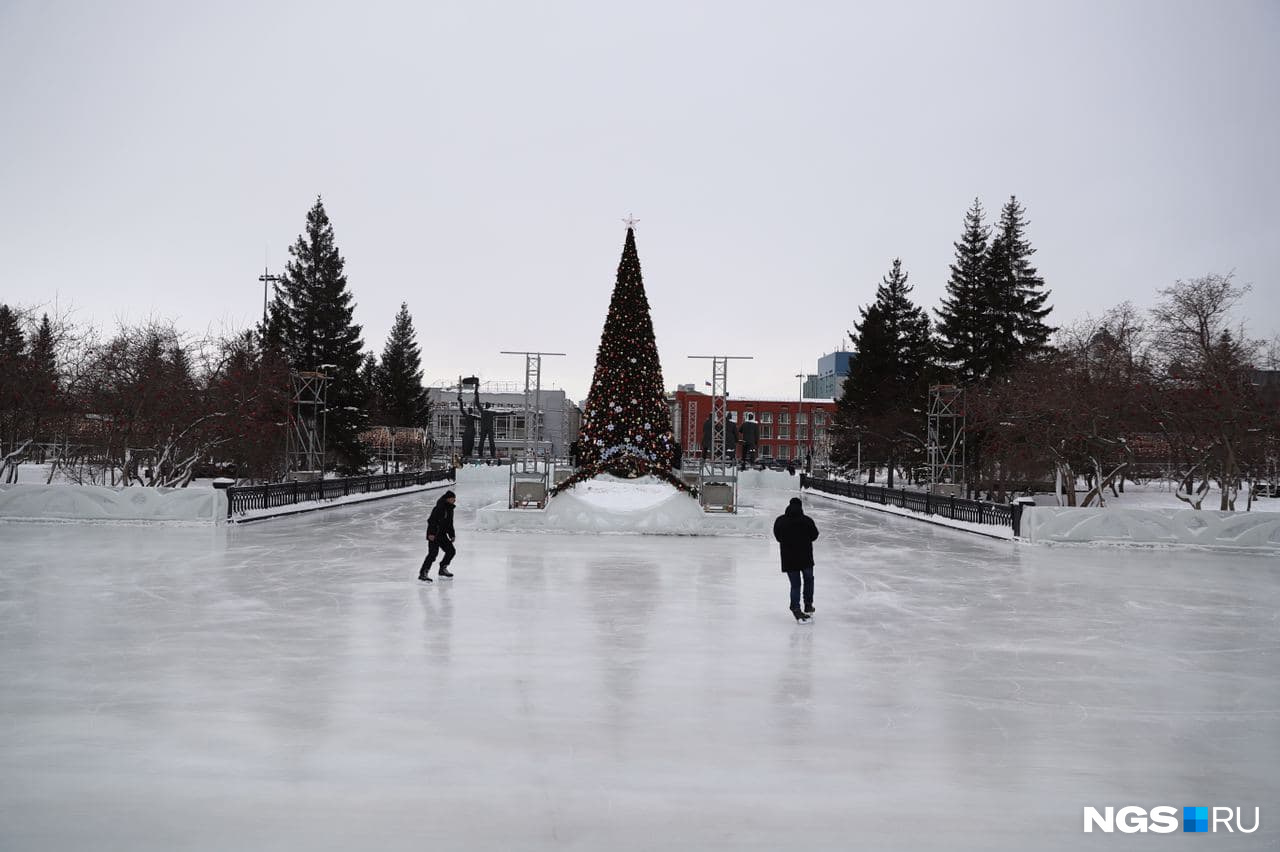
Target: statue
x,y
468,418
750,438
730,439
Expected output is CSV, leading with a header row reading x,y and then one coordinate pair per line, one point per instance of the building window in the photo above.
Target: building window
x,y
764,451
784,432
784,417
766,431
818,418
802,433
733,417
766,417
782,451
801,417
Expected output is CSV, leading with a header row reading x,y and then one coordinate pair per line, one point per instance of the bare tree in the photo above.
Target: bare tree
x,y
1204,399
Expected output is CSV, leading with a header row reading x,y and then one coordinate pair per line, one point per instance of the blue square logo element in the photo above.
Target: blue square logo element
x,y
1195,819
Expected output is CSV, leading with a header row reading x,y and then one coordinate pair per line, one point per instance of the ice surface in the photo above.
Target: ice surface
x,y
289,685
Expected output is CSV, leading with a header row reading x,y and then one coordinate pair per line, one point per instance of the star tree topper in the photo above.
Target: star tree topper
x,y
631,221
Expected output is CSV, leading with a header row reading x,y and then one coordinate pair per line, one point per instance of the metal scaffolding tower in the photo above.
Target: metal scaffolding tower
x,y
532,399
719,470
946,444
528,487
307,423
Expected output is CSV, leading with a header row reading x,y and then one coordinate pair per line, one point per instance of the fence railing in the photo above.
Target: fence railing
x,y
956,508
247,498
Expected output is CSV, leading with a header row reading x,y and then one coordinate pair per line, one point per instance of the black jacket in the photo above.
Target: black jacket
x,y
795,532
441,521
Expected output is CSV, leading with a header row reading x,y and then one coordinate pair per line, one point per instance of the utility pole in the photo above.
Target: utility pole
x,y
267,279
800,419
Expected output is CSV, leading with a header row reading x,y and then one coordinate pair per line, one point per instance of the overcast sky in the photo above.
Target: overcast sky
x,y
476,160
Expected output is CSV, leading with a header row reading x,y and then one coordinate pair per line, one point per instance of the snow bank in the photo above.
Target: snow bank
x,y
991,530
102,503
1259,531
768,480
643,506
471,474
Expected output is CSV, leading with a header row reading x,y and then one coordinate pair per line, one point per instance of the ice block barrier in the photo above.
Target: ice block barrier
x,y
1246,531
104,503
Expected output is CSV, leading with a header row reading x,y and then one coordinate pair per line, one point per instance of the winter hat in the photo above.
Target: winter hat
x,y
448,494
795,501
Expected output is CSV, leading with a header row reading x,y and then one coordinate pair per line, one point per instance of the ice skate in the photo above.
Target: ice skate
x,y
808,608
801,616
422,575
445,573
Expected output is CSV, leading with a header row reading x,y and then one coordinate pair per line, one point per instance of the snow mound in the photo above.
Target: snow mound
x,y
645,506
482,474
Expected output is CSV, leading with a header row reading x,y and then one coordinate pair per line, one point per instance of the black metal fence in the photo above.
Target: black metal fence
x,y
247,498
956,508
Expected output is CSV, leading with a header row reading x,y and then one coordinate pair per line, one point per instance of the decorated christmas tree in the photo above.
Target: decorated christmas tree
x,y
626,427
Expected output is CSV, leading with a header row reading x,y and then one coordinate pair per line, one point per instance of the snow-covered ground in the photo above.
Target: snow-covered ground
x,y
1159,494
290,685
30,473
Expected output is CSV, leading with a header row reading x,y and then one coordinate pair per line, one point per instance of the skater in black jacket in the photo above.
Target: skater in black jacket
x,y
440,536
796,532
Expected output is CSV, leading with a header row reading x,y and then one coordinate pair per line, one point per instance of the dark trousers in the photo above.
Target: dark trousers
x,y
434,548
794,577
487,433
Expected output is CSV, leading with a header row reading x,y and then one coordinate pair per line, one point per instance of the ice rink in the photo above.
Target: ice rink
x,y
290,685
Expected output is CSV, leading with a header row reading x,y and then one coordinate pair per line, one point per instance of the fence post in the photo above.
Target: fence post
x,y
953,507
928,504
980,512
1016,509
295,492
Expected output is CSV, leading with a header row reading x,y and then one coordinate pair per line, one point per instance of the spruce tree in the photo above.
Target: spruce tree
x,y
310,322
370,382
42,350
963,321
13,377
626,426
885,392
42,382
400,388
12,340
1026,293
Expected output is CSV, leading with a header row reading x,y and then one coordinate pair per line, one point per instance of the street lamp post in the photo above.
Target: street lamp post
x,y
808,459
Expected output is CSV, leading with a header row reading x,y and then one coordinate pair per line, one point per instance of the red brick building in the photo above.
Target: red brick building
x,y
789,428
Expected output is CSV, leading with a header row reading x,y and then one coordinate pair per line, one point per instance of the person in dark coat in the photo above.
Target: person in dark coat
x,y
796,532
469,418
440,536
